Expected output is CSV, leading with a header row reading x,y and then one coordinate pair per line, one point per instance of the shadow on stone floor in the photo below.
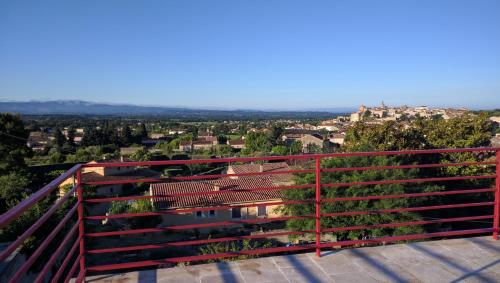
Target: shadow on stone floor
x,y
302,269
226,272
377,265
468,272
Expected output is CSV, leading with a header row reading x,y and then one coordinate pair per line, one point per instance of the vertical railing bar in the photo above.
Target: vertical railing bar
x,y
81,231
81,276
318,206
496,211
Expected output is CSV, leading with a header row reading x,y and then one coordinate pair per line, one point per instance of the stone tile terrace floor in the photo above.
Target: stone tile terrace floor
x,y
457,260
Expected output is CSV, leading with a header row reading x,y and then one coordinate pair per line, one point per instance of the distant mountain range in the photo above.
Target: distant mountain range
x,y
78,107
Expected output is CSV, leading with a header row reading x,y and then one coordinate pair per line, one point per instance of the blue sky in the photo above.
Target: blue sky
x,y
253,54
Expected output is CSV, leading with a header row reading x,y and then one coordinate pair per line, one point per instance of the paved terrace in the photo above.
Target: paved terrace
x,y
457,260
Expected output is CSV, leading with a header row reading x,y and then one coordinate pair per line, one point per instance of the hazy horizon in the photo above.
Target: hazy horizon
x,y
337,109
266,55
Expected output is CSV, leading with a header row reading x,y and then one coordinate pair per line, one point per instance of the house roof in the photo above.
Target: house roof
x,y
211,138
236,142
300,132
224,185
316,136
202,142
337,136
266,167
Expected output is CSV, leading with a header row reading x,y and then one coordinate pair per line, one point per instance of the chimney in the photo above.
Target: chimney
x,y
261,168
216,187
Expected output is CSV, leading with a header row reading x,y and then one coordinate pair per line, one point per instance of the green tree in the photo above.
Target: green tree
x,y
359,191
221,139
280,150
71,136
256,143
90,137
127,138
296,147
55,157
388,136
143,132
59,138
224,150
13,140
275,134
86,154
367,115
13,189
233,247
137,206
141,155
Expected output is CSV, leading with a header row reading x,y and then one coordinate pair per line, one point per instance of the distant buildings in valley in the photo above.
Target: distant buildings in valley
x,y
384,113
337,127
231,134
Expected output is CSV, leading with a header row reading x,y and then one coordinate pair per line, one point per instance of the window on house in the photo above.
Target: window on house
x,y
211,213
261,210
236,212
199,214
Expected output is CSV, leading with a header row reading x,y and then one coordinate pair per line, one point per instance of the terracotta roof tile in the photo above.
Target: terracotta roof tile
x,y
266,167
224,184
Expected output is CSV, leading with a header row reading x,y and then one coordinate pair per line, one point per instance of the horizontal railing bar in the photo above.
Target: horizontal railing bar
x,y
280,249
223,192
29,262
407,237
216,176
418,180
57,253
264,220
65,262
73,269
193,226
289,157
24,205
182,211
196,242
455,192
408,223
13,246
411,166
198,258
267,235
408,209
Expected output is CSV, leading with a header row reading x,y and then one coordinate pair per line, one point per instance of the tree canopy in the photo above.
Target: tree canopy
x,y
466,131
13,148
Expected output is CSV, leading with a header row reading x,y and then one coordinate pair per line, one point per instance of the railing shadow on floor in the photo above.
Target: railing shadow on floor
x,y
484,244
147,276
468,272
302,269
379,266
227,273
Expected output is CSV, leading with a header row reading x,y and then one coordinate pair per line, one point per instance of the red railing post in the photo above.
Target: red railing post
x,y
79,192
496,212
318,206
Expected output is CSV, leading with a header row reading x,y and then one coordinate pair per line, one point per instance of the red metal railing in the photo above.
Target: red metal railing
x,y
72,252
